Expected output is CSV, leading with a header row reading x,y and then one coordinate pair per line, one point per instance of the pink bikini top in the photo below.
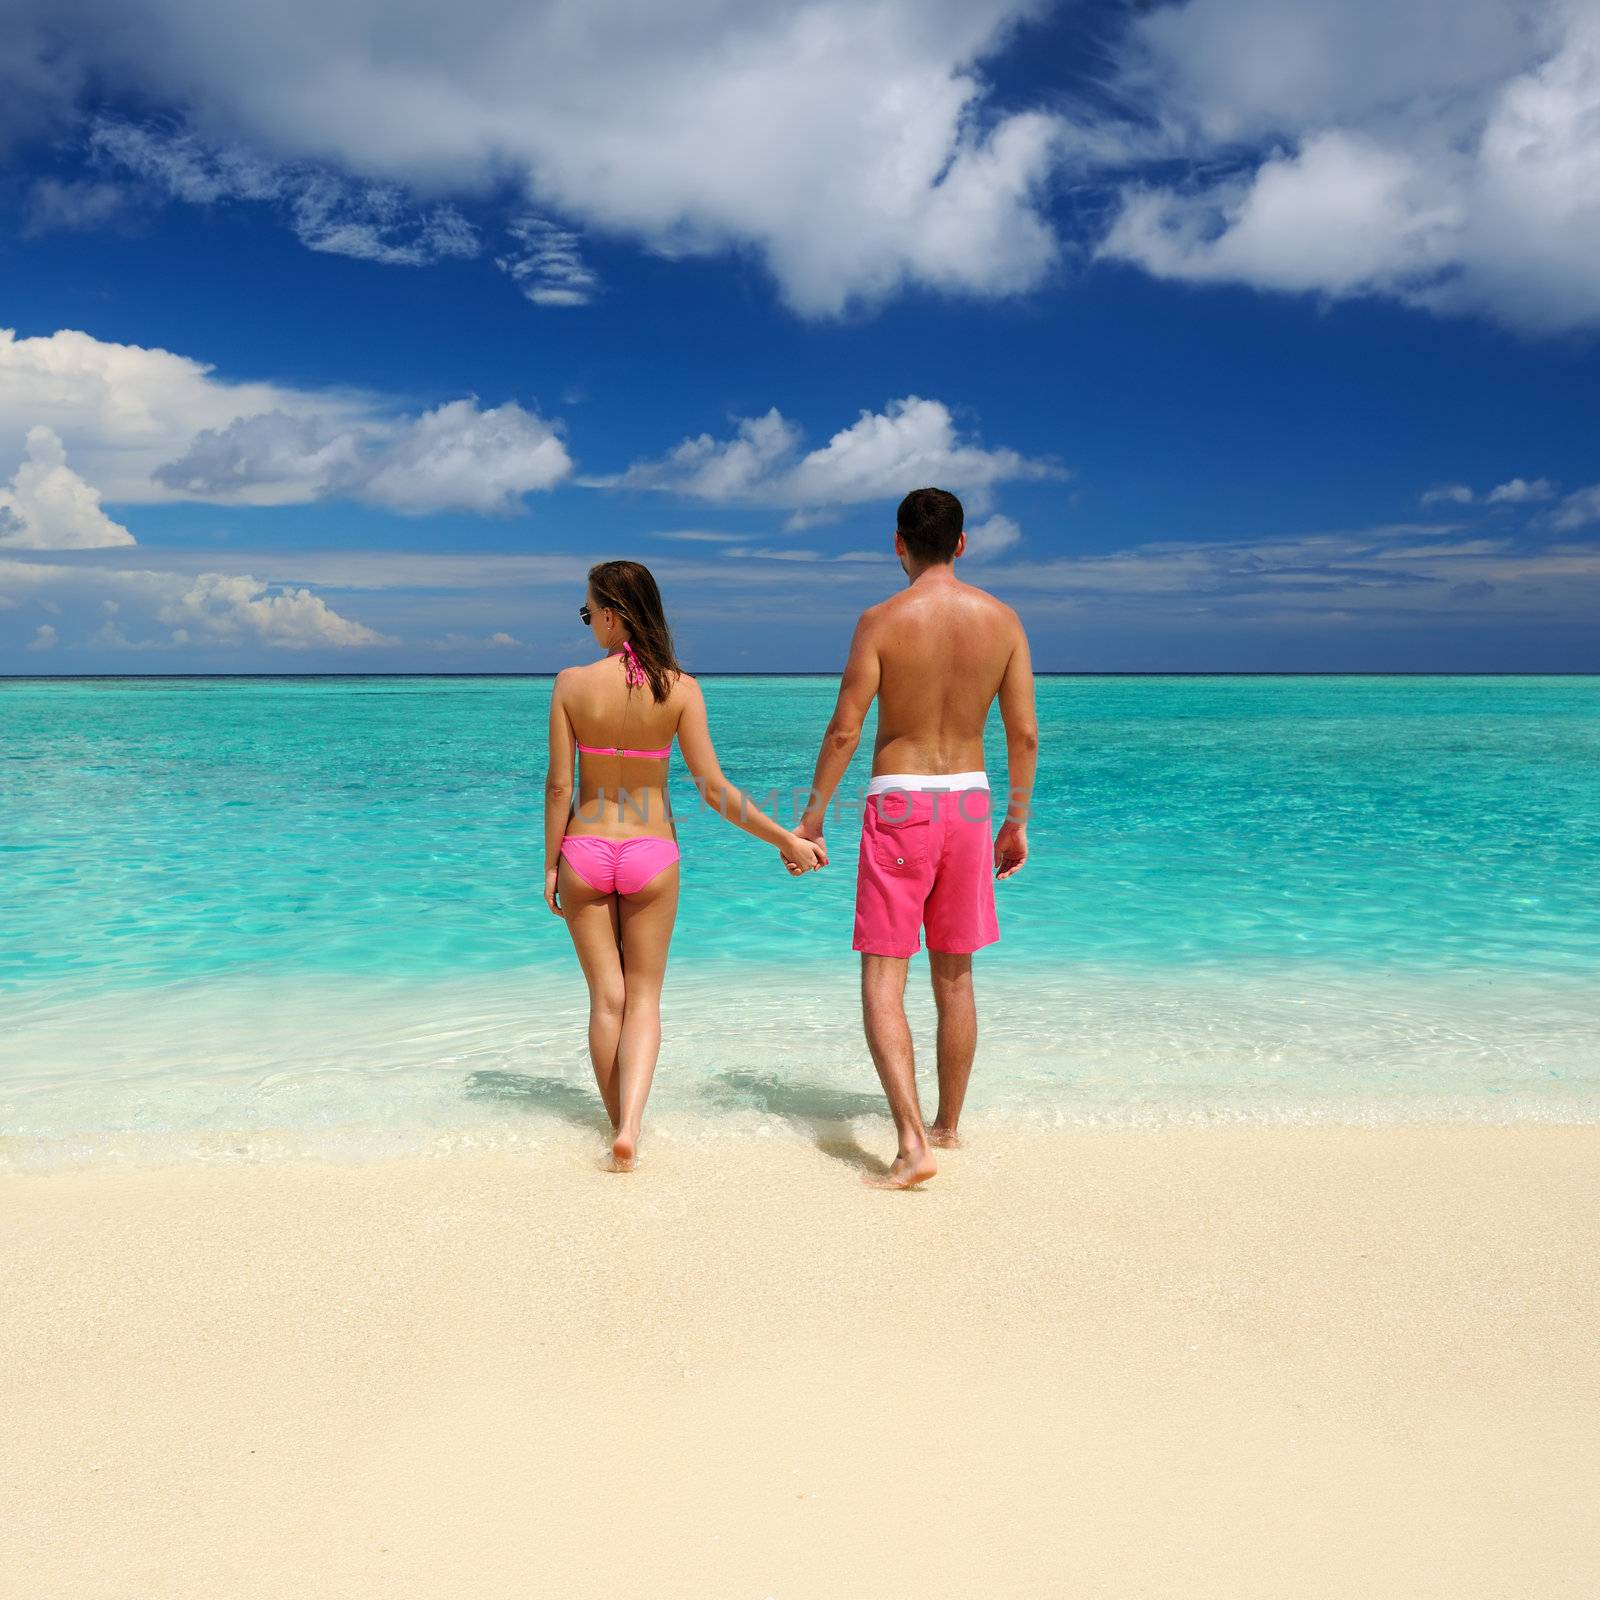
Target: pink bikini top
x,y
634,674
616,750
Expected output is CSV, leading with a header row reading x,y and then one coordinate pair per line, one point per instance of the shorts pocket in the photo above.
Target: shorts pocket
x,y
900,847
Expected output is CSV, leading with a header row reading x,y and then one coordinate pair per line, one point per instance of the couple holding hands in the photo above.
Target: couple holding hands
x,y
935,656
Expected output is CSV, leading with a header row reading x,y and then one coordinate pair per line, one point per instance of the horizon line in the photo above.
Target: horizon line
x,y
1088,672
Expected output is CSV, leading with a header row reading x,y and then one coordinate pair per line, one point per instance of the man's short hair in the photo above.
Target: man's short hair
x,y
930,522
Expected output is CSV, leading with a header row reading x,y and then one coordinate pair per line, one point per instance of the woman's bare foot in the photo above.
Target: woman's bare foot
x,y
905,1171
944,1138
624,1151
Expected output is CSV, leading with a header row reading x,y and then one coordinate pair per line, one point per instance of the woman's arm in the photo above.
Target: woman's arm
x,y
558,779
727,799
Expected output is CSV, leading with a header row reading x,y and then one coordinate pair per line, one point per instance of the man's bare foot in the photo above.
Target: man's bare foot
x,y
905,1172
944,1138
624,1152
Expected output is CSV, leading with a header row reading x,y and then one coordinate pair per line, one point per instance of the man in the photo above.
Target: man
x,y
935,657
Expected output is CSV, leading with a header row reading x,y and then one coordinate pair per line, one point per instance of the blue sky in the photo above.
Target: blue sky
x,y
1255,334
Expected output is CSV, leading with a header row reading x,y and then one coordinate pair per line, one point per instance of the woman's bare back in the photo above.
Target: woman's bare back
x,y
620,796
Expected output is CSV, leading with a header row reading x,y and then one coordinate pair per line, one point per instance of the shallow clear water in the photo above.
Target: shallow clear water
x,y
309,907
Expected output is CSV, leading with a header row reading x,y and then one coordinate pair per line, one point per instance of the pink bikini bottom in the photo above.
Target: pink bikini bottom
x,y
617,866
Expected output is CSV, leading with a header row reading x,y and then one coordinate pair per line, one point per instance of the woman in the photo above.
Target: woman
x,y
611,861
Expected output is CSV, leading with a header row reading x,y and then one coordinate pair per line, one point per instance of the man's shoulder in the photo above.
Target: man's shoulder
x,y
876,614
987,607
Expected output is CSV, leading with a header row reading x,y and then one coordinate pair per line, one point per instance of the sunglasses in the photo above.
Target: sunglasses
x,y
585,615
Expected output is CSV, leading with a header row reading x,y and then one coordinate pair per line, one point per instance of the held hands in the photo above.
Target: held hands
x,y
801,854
1010,849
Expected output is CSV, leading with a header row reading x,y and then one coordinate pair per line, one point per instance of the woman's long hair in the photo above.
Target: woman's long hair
x,y
631,592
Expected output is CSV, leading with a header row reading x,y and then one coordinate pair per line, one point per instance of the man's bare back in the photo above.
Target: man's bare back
x,y
943,650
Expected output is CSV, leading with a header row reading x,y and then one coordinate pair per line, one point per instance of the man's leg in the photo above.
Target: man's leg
x,y
958,1039
883,1008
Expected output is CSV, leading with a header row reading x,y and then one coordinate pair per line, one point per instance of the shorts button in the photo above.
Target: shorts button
x,y
899,861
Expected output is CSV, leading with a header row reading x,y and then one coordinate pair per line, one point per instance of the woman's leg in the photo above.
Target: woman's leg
x,y
592,922
647,917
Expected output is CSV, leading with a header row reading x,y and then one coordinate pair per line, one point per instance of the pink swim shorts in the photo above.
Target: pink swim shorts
x,y
927,860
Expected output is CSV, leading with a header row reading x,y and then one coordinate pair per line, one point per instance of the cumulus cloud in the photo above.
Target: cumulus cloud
x,y
49,507
1520,491
231,609
1457,494
1443,153
459,456
147,425
44,638
911,443
147,608
854,148
1342,214
454,457
988,539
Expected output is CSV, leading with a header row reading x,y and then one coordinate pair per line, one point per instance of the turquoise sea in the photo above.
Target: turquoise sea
x,y
248,915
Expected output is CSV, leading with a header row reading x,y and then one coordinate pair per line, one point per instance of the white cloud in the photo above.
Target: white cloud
x,y
881,456
371,571
1443,153
1341,215
547,264
454,457
371,221
1235,71
474,642
144,608
854,148
1579,509
1520,491
147,426
459,456
231,609
1459,494
988,539
49,507
44,638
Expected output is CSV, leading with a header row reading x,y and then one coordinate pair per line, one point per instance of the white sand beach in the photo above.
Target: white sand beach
x,y
1230,1362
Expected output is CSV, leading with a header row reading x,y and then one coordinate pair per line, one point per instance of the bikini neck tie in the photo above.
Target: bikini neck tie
x,y
631,670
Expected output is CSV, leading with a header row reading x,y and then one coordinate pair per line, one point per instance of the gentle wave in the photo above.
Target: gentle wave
x,y
215,1069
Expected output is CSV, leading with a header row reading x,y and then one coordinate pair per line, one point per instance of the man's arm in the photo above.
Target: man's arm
x,y
1022,756
857,687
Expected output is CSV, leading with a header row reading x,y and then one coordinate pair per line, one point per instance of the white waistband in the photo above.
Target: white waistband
x,y
908,781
